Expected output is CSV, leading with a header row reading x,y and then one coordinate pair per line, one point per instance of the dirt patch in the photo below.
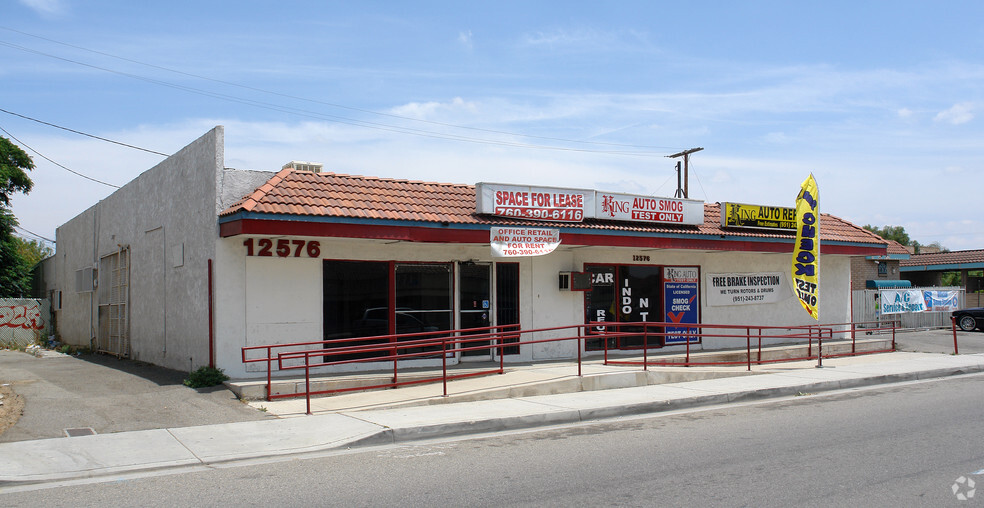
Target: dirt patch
x,y
12,407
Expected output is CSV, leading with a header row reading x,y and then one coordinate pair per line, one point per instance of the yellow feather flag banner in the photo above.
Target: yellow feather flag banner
x,y
806,253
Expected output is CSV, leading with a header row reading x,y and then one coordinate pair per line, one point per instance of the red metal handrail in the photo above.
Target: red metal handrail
x,y
395,348
805,332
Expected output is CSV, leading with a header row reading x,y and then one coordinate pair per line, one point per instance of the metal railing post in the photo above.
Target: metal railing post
x,y
269,368
645,347
444,363
760,346
307,380
893,333
579,345
687,362
819,347
396,355
953,323
502,357
748,347
854,349
604,339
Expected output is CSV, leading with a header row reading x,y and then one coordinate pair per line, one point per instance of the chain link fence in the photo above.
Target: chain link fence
x,y
24,321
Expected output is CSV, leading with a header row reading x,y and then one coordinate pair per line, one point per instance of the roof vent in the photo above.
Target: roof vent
x,y
314,167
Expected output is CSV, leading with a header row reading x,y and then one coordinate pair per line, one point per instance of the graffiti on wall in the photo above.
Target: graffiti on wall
x,y
21,316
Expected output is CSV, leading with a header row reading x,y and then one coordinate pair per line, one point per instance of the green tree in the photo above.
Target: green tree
x,y
896,233
15,270
32,251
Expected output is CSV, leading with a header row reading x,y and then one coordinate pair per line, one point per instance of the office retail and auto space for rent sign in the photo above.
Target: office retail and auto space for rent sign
x,y
518,242
574,205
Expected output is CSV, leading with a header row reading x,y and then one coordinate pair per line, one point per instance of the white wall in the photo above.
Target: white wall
x,y
279,300
167,217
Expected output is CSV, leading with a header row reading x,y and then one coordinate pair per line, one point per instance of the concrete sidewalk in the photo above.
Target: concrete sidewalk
x,y
57,459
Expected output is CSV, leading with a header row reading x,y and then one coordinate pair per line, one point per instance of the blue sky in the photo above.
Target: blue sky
x,y
881,101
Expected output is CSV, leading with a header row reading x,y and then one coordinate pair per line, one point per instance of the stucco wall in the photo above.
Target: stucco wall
x,y
278,300
167,218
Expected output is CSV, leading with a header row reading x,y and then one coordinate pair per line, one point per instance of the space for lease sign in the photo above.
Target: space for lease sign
x,y
745,288
537,203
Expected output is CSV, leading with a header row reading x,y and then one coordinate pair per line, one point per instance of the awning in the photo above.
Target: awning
x,y
887,284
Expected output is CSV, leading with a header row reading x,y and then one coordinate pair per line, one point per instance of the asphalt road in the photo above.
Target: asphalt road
x,y
900,445
941,341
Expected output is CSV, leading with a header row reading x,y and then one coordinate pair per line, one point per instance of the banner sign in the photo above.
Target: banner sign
x,y
745,288
681,304
630,207
941,301
806,252
897,301
738,215
536,203
517,242
574,205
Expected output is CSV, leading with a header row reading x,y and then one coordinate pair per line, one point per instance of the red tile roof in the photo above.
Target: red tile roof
x,y
336,195
896,248
945,258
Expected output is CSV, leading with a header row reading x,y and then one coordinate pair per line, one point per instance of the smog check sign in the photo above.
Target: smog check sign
x,y
520,242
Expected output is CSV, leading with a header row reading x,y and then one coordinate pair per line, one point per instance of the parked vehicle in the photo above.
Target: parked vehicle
x,y
375,321
970,319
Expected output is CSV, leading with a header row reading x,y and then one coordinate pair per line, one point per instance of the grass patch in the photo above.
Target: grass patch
x,y
205,377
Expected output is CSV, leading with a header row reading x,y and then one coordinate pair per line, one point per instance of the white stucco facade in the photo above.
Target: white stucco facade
x,y
168,221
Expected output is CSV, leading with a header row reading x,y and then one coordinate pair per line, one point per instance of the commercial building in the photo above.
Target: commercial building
x,y
192,261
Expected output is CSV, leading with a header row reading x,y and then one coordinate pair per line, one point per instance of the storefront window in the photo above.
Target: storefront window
x,y
378,298
356,303
423,298
622,293
507,299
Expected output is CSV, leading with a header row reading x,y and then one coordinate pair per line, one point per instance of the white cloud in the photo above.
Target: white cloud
x,y
425,110
905,113
958,114
46,7
776,137
465,38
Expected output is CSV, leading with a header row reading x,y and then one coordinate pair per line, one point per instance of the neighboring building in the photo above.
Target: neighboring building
x,y
928,269
872,272
191,261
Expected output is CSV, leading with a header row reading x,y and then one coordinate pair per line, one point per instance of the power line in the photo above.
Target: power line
x,y
55,163
34,234
346,120
315,101
80,132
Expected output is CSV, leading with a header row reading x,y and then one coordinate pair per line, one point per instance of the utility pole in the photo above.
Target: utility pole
x,y
686,168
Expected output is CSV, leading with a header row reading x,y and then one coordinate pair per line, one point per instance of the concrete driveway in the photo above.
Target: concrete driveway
x,y
109,395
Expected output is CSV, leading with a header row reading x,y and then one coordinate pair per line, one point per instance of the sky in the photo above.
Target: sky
x,y
881,101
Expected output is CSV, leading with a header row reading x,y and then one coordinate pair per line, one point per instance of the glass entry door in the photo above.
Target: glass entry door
x,y
475,304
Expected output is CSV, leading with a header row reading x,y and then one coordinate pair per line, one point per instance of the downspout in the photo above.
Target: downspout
x,y
211,329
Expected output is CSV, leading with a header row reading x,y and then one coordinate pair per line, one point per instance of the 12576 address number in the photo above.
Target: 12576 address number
x,y
265,247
